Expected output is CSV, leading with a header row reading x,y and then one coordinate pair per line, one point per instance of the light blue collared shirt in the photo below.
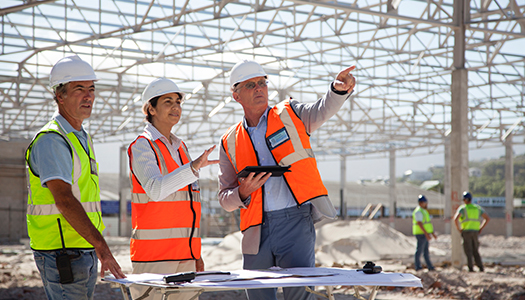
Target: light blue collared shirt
x,y
50,156
277,195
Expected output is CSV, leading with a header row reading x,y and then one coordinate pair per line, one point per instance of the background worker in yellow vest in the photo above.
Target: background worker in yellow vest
x,y
277,213
165,203
423,230
467,221
64,219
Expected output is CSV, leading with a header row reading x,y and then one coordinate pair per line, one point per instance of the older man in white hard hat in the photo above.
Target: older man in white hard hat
x,y
277,212
64,219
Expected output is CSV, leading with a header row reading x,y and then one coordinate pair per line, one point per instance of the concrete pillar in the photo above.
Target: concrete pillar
x,y
448,213
509,184
392,188
342,185
459,122
124,193
13,187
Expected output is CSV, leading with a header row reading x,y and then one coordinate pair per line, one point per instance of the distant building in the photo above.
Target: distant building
x,y
474,172
412,175
359,194
434,168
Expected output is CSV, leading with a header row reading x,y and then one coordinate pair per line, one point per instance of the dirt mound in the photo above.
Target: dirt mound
x,y
351,242
340,243
226,255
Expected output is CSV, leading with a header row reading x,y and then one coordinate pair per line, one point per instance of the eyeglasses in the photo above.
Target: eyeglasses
x,y
251,84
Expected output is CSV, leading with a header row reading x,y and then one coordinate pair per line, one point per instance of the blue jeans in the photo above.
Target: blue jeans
x,y
287,241
84,266
422,247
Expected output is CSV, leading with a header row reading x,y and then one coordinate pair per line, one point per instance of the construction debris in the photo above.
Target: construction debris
x,y
339,244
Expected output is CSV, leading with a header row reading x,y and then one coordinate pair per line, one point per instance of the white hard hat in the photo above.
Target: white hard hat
x,y
159,87
244,70
71,68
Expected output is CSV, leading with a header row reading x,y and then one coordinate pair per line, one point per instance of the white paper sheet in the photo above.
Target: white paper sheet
x,y
245,279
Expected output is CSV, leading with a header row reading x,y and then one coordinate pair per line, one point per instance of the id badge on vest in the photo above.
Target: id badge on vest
x,y
277,138
195,186
93,165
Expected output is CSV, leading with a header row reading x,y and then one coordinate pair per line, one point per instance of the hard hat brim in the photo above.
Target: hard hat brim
x,y
67,81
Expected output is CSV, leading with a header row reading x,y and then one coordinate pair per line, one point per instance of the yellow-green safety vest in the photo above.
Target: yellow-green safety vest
x,y
42,212
470,219
426,222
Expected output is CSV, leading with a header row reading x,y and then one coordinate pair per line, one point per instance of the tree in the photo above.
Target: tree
x,y
492,181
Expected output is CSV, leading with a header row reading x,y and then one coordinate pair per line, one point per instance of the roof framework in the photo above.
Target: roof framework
x,y
403,51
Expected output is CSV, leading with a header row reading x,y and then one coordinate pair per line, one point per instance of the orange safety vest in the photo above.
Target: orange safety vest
x,y
168,229
289,143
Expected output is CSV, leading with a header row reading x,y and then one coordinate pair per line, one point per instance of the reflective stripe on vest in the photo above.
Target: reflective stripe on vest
x,y
168,229
470,220
289,143
168,233
429,228
51,209
289,123
42,212
177,196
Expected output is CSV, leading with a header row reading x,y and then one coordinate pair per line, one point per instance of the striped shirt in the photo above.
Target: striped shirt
x,y
145,166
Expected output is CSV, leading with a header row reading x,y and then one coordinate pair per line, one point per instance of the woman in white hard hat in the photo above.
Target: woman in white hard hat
x,y
165,205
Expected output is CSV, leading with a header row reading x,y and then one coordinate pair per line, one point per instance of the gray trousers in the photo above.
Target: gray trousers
x,y
471,246
287,241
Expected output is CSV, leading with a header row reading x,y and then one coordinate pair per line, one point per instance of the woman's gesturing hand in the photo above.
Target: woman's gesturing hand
x,y
203,161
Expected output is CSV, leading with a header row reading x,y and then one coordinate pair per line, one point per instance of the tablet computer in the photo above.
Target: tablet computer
x,y
275,170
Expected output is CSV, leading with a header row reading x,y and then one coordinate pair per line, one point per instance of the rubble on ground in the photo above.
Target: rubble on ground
x,y
345,244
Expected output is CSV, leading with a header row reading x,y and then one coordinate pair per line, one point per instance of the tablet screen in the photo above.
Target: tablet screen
x,y
275,170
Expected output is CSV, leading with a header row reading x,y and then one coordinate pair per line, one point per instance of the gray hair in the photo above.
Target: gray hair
x,y
60,89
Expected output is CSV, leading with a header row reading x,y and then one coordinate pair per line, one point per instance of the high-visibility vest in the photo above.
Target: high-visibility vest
x,y
289,143
42,212
168,229
470,220
426,222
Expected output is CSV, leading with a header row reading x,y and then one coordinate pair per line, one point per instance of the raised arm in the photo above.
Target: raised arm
x,y
316,114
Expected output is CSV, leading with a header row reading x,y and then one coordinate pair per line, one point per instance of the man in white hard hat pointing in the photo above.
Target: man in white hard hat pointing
x,y
64,218
277,212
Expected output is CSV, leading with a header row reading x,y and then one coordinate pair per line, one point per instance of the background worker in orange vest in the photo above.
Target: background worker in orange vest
x,y
277,213
423,230
165,201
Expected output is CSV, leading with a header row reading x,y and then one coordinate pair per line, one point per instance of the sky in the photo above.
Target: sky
x,y
357,167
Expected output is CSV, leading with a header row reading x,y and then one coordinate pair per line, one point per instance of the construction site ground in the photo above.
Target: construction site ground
x,y
346,244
